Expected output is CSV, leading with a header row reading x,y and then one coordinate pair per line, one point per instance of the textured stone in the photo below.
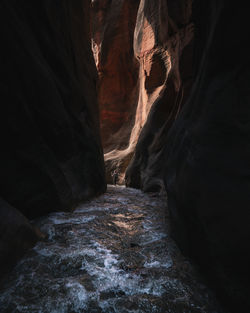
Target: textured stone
x,y
208,153
113,24
162,44
16,236
51,156
140,69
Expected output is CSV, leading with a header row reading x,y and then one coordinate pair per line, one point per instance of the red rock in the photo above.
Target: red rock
x,y
136,63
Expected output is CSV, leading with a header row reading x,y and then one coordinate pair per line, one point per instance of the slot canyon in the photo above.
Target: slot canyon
x,y
124,128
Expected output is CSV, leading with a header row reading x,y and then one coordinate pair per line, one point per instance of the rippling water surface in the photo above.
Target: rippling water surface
x,y
112,254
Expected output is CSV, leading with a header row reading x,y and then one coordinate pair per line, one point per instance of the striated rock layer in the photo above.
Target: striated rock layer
x,y
143,55
51,156
208,152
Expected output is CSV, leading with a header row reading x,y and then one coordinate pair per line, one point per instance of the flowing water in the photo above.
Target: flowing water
x,y
112,254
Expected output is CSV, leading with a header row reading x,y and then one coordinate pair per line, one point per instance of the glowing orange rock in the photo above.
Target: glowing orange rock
x,y
137,48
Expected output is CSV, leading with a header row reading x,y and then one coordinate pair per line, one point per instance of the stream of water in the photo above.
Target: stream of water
x,y
112,254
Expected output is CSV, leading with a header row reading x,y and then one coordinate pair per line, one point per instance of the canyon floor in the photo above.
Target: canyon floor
x,y
112,254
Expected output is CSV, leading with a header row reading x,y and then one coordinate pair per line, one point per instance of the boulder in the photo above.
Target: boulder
x,y
16,236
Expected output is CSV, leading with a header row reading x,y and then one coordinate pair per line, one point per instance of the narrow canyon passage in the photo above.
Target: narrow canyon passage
x,y
143,52
154,95
112,254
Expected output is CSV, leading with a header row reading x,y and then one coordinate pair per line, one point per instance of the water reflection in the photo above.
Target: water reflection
x,y
112,254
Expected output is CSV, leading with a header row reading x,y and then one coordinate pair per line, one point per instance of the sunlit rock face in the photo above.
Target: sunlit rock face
x,y
143,55
113,25
51,155
208,152
162,44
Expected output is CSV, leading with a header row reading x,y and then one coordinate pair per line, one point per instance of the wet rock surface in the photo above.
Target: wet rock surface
x,y
16,236
112,254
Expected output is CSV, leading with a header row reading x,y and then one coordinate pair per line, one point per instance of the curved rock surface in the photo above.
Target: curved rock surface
x,y
163,44
16,236
51,156
113,24
144,75
50,148
208,151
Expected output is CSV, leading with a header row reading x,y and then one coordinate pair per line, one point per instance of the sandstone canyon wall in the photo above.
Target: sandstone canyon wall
x,y
143,53
154,129
51,156
208,151
113,24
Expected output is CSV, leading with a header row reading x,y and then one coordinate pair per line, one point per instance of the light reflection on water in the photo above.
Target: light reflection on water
x,y
112,254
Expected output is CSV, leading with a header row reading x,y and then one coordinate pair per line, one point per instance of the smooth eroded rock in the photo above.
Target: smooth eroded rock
x,y
207,154
51,156
16,236
145,74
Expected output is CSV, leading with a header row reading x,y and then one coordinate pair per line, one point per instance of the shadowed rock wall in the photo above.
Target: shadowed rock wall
x,y
51,156
16,236
204,157
208,152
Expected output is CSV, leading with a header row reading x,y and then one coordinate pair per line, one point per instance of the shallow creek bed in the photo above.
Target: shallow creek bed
x,y
112,254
